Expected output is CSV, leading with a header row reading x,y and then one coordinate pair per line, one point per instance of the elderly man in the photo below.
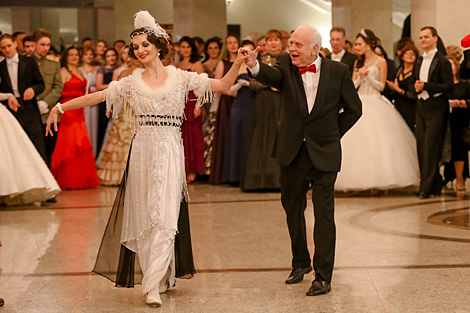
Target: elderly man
x,y
319,105
339,54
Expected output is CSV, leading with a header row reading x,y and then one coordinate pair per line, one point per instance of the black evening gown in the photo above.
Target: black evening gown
x,y
406,104
239,127
260,170
102,118
119,264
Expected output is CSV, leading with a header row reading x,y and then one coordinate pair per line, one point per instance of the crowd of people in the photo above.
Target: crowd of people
x,y
230,139
385,126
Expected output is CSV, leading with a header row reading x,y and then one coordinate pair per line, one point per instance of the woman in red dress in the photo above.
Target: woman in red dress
x,y
191,129
73,163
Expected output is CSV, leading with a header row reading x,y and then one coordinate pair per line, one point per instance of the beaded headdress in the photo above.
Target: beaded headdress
x,y
363,32
143,19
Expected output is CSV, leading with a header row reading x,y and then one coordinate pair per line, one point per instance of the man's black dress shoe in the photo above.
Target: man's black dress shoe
x,y
424,195
2,302
319,287
297,275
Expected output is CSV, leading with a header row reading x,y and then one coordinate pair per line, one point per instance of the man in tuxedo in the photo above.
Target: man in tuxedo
x,y
433,80
20,76
319,105
337,42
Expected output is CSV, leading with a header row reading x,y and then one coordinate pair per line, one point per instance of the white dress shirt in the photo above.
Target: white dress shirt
x,y
309,79
424,71
339,56
12,65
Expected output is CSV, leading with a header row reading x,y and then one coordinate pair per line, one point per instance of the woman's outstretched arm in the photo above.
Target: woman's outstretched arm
x,y
77,103
227,81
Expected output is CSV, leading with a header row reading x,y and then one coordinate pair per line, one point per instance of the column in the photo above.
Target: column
x,y
375,15
449,17
203,18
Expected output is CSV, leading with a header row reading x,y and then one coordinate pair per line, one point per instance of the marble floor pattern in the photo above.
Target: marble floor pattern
x,y
395,253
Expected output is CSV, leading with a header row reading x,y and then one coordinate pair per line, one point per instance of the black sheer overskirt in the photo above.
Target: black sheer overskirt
x,y
119,264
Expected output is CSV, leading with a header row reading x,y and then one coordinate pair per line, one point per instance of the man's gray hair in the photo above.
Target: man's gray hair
x,y
316,36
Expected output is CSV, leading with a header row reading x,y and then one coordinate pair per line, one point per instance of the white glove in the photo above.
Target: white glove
x,y
243,82
43,107
374,83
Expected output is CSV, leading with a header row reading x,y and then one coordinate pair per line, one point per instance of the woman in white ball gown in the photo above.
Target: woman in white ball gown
x,y
25,177
379,152
153,102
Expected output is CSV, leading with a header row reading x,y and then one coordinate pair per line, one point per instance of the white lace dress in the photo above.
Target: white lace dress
x,y
379,151
24,177
156,176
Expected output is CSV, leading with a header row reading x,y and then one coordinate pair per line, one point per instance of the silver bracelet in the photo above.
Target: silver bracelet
x,y
59,108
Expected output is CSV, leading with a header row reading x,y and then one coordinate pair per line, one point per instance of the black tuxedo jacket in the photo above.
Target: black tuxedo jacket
x,y
465,66
325,125
348,59
440,79
28,76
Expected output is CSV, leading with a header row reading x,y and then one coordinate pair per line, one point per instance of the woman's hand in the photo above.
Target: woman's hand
x,y
52,119
393,85
197,112
463,104
13,103
362,72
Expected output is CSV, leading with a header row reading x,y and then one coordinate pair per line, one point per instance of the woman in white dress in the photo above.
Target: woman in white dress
x,y
379,151
153,102
25,178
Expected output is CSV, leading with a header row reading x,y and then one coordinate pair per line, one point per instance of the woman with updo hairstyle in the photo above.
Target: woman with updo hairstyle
x,y
193,139
73,162
379,152
148,210
403,94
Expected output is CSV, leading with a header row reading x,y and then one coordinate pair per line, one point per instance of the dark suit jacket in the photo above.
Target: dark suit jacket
x,y
348,59
28,76
440,79
325,125
465,66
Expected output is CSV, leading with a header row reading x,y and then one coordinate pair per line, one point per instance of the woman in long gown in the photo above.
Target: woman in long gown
x,y
228,56
73,163
240,121
113,156
89,71
25,176
103,78
379,151
260,169
153,101
212,50
193,139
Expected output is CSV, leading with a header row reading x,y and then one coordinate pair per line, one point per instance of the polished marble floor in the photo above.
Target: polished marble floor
x,y
395,253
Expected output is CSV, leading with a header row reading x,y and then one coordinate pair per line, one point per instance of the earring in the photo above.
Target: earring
x,y
368,48
158,54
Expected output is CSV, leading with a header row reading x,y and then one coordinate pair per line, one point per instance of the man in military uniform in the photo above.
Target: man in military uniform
x,y
49,66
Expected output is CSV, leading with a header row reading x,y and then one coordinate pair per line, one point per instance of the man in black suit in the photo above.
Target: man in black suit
x,y
319,105
20,76
337,42
434,79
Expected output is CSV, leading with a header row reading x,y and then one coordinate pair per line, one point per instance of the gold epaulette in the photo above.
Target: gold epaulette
x,y
52,58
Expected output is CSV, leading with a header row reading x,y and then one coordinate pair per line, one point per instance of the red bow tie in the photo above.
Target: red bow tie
x,y
311,68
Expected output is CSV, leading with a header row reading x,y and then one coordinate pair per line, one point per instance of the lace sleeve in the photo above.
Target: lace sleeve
x,y
113,98
200,84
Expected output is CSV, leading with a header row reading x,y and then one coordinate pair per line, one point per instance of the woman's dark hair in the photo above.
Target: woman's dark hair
x,y
382,51
371,40
208,42
248,42
115,52
158,42
65,55
194,55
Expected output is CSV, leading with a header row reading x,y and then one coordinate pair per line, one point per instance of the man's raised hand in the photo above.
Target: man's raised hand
x,y
251,55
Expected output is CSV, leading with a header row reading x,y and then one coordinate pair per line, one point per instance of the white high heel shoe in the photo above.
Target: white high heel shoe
x,y
153,298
